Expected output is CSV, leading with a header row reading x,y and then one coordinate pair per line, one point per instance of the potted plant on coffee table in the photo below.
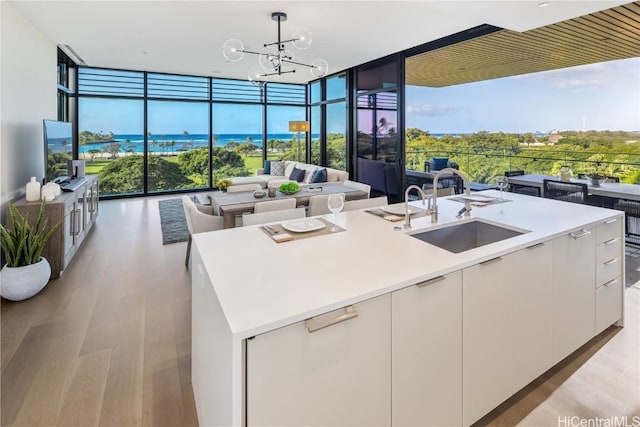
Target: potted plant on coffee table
x,y
26,272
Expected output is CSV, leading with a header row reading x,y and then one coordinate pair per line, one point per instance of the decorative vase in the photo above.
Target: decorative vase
x,y
20,283
33,190
565,173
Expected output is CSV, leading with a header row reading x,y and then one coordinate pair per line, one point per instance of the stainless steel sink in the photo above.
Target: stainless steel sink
x,y
466,235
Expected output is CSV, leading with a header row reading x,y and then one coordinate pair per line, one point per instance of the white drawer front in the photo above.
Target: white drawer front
x,y
608,250
608,230
608,304
608,270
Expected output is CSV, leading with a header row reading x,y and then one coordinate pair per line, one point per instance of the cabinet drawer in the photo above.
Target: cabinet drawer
x,y
608,304
608,270
608,230
608,250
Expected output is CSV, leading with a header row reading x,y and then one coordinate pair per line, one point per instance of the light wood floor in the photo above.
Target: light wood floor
x,y
109,343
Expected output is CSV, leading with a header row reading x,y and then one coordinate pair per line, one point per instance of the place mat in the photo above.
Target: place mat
x,y
392,217
479,201
282,235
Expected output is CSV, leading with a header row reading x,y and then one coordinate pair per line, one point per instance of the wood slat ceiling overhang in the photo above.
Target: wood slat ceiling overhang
x,y
602,36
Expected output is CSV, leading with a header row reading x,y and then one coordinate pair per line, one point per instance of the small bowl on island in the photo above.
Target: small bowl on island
x,y
596,179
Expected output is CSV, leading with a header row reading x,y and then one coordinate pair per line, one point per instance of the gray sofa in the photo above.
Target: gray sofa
x,y
333,175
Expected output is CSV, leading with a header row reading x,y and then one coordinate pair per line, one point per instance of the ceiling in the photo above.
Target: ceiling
x,y
186,37
598,37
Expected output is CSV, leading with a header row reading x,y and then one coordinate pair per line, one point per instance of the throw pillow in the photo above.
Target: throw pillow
x,y
319,176
267,167
277,168
297,175
440,163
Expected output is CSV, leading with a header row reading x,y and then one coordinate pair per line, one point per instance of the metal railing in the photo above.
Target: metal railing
x,y
481,164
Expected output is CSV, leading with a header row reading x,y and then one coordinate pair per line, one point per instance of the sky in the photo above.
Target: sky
x,y
604,96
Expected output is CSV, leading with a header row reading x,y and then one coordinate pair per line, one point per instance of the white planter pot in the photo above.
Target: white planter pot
x,y
20,283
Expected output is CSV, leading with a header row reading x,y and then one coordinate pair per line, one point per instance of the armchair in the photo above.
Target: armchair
x,y
199,220
434,164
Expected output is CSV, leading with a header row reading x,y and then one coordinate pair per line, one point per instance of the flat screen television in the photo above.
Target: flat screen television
x,y
58,148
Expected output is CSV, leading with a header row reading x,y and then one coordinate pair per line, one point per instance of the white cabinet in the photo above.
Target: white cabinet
x,y
532,313
332,370
487,341
507,331
609,273
426,353
573,270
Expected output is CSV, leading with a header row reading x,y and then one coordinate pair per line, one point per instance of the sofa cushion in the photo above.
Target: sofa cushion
x,y
288,167
309,170
277,168
267,167
440,163
335,175
319,175
297,174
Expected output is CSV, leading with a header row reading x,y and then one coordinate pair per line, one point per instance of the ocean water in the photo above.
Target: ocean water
x,y
184,142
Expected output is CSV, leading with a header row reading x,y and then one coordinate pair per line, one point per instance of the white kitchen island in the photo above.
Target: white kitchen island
x,y
415,335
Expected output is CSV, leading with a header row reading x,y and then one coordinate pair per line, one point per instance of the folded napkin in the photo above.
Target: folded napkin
x,y
282,237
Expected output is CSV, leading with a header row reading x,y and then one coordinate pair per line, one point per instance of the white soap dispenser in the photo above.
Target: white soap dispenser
x,y
33,190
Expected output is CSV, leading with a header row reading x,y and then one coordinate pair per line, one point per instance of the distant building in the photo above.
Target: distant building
x,y
555,138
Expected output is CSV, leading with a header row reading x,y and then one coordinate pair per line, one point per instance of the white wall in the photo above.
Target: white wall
x,y
28,93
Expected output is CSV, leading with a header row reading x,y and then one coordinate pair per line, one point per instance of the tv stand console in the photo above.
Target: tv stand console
x,y
77,212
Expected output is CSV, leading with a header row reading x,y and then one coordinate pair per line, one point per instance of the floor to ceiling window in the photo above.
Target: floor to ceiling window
x,y
329,121
198,130
237,140
111,128
377,121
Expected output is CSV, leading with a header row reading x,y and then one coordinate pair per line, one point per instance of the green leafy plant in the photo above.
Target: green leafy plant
x,y
222,184
23,243
290,187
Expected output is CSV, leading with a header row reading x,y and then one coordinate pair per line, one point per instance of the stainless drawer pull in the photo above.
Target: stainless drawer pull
x,y
609,242
430,281
611,221
490,261
611,261
317,323
582,235
538,245
610,283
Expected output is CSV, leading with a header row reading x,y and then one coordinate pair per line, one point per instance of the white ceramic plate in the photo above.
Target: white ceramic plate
x,y
399,209
303,225
479,198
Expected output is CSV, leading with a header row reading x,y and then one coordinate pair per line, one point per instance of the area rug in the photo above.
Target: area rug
x,y
172,221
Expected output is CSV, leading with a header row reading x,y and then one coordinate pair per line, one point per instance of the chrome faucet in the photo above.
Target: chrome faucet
x,y
407,216
434,208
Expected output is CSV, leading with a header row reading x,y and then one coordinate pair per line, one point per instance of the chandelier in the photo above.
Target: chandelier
x,y
276,59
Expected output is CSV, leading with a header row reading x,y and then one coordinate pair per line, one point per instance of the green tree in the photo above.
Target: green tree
x,y
93,152
125,175
113,149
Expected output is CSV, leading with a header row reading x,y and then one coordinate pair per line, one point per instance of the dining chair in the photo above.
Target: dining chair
x,y
319,205
521,189
199,220
359,186
243,187
352,205
631,210
272,216
275,205
574,192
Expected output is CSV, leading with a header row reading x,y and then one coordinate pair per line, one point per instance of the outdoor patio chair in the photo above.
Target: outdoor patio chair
x,y
574,192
